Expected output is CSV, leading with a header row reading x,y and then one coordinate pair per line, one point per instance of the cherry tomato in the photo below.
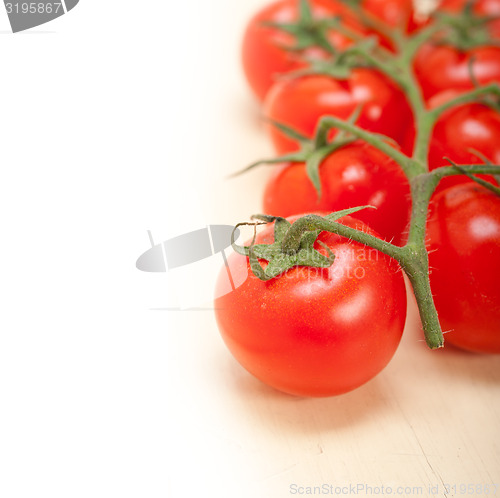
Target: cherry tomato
x,y
354,175
461,130
301,102
441,67
464,256
316,331
264,55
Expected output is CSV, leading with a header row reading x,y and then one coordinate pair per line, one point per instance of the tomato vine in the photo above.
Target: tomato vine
x,y
398,66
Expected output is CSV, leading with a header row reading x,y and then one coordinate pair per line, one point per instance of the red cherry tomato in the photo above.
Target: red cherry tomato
x,y
464,256
263,54
312,331
441,67
301,102
461,130
354,175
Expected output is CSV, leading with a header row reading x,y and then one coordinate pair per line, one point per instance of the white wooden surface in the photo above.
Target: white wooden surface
x,y
102,396
429,424
429,420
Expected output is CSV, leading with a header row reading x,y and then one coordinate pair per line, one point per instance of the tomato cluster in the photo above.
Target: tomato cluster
x,y
324,331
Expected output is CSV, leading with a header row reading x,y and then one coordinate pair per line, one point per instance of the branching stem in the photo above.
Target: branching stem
x,y
412,257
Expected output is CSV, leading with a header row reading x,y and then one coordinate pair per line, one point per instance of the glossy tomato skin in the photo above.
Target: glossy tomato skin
x,y
461,130
301,102
354,175
458,131
464,257
263,55
442,67
316,332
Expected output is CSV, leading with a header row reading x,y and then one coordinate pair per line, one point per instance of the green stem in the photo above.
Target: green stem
x,y
423,134
426,119
358,37
415,263
400,70
474,169
412,258
465,98
411,45
407,164
291,241
388,67
470,171
422,187
423,123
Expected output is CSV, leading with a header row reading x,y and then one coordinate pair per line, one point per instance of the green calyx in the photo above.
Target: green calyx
x,y
341,65
293,244
313,151
465,30
307,31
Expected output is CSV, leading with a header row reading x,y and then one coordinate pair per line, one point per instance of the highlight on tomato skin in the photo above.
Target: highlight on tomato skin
x,y
316,332
464,256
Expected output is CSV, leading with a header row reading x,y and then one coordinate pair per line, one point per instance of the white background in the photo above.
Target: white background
x,y
126,116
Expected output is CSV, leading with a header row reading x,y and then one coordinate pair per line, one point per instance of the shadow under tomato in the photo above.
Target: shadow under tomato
x,y
296,414
471,368
449,363
248,111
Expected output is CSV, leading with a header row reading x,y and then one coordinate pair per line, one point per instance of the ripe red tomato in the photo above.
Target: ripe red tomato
x,y
464,256
441,67
301,102
354,175
263,54
461,129
316,331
